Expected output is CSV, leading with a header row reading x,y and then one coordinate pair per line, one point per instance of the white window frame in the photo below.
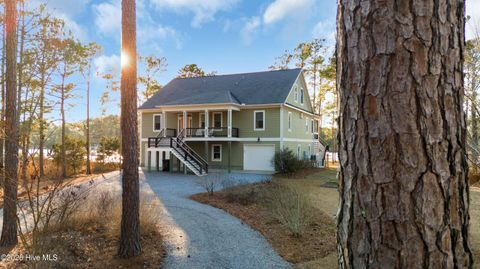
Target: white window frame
x,y
221,119
302,96
255,120
312,127
161,119
289,121
299,151
213,156
306,125
200,120
295,94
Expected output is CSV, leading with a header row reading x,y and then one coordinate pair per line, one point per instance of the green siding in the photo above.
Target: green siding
x,y
243,119
303,147
300,83
298,124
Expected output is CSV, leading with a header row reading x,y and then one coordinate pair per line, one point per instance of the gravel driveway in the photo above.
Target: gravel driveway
x,y
201,236
197,235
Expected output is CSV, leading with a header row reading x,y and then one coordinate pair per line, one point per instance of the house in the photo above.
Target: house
x,y
230,122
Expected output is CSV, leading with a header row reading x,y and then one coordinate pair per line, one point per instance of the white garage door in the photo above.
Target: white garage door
x,y
258,157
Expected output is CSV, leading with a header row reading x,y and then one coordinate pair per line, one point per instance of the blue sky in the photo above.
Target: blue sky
x,y
227,36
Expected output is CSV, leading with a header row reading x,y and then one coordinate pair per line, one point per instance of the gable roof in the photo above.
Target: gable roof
x,y
270,87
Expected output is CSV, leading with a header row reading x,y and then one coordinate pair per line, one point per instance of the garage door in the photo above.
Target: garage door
x,y
258,157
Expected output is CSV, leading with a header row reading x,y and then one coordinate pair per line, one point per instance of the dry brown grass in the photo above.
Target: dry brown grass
x,y
89,238
289,225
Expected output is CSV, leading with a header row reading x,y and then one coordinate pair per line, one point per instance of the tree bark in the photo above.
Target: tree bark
x,y
404,194
2,114
9,230
62,114
89,171
130,226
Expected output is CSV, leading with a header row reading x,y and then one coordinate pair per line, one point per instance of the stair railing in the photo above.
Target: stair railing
x,y
189,153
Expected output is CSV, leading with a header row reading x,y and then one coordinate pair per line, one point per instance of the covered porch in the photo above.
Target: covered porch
x,y
213,122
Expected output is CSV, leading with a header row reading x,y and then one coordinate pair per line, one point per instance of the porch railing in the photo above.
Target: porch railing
x,y
212,132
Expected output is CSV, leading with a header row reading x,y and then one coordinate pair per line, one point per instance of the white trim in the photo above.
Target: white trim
x,y
245,139
312,122
189,115
290,121
229,123
213,157
221,118
255,120
161,119
281,127
301,110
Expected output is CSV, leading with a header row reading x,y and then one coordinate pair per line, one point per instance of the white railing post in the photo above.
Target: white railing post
x,y
206,122
164,123
184,123
229,120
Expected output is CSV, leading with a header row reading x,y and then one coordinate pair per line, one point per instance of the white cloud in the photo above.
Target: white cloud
x,y
108,17
325,30
151,32
203,10
473,25
281,9
107,64
249,29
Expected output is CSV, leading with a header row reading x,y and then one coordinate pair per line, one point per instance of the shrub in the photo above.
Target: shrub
x,y
286,162
107,147
290,208
75,153
242,196
211,182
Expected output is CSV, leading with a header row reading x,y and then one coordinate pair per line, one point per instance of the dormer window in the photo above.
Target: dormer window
x,y
301,96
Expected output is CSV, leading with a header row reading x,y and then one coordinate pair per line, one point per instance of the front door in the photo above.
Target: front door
x,y
180,122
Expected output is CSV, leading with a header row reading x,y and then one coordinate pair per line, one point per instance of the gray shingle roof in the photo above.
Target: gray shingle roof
x,y
270,87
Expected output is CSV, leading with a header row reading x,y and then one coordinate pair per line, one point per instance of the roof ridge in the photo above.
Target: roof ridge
x,y
247,73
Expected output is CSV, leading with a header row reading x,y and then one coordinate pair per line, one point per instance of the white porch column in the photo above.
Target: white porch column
x,y
206,123
185,122
229,122
164,123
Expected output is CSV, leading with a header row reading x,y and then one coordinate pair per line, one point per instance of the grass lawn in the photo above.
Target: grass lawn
x,y
319,186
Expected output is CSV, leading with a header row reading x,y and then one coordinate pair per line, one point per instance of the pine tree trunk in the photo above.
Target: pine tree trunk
x,y
62,114
403,170
20,76
2,114
89,170
9,230
130,226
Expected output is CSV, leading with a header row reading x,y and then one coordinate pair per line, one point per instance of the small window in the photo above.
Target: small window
x,y
217,119
298,152
202,120
259,120
301,96
289,121
295,92
306,125
313,126
157,122
217,153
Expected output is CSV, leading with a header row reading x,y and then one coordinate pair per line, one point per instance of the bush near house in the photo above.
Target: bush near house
x,y
287,163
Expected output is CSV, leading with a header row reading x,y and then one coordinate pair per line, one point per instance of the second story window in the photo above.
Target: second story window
x,y
157,122
259,120
289,121
295,93
313,126
301,96
306,125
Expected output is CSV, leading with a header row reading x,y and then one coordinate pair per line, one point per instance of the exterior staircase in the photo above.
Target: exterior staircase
x,y
182,151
